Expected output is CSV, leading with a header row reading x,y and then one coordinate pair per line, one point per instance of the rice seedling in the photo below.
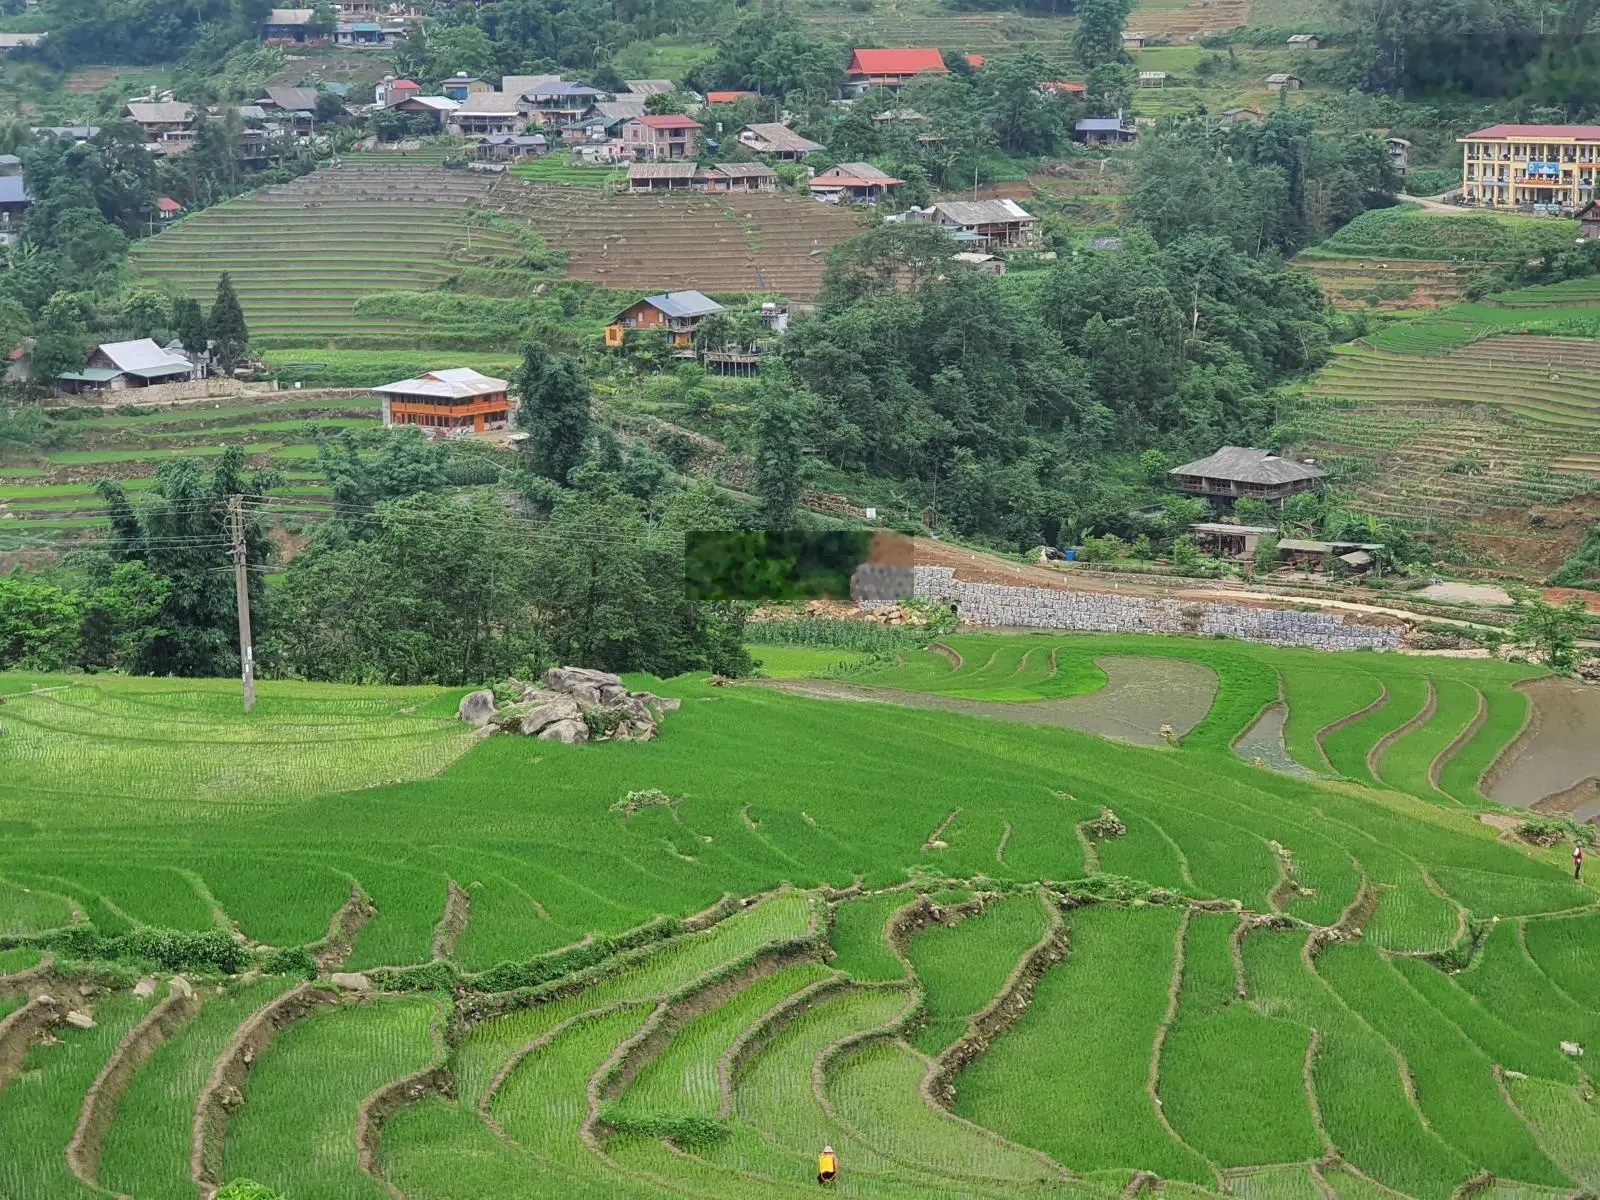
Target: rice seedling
x,y
859,937
1505,711
1356,1079
682,1079
1506,1045
1317,698
1144,852
1566,1124
1093,1020
19,959
1452,1078
146,1150
962,966
295,1131
1347,748
1230,1078
543,1102
874,1091
1276,1183
442,1151
39,1106
1408,763
1563,948
24,910
773,1092
1508,984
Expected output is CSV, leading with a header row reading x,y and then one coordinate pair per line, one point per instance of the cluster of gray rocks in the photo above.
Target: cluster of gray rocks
x,y
575,705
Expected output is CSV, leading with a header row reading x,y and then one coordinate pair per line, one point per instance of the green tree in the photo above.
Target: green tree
x,y
177,531
40,624
1251,511
1099,37
1267,555
780,433
62,340
227,326
122,608
1551,630
189,325
406,463
145,313
554,410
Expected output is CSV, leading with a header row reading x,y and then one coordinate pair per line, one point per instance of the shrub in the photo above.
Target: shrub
x,y
248,1189
686,1132
1548,831
296,960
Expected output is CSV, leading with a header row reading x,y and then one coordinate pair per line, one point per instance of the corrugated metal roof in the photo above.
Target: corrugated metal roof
x,y
13,190
1245,464
911,61
650,87
669,170
455,383
292,99
290,16
1304,545
667,121
489,104
745,170
169,112
1578,132
143,357
1100,124
864,172
779,137
684,304
982,212
91,375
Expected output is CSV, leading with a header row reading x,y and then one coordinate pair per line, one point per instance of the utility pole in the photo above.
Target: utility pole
x,y
241,591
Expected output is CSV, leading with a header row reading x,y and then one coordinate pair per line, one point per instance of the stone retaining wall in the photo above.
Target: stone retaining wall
x,y
1049,608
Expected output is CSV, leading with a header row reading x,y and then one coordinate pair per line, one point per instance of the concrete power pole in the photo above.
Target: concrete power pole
x,y
241,591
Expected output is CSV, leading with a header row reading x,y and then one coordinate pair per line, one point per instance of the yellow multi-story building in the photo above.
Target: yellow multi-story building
x,y
1513,166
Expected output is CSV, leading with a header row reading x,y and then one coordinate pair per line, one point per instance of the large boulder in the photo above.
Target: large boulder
x,y
570,732
554,711
476,708
564,679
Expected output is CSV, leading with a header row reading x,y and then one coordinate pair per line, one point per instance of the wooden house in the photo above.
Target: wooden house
x,y
676,314
1236,472
852,183
1104,131
738,177
1134,40
1589,220
777,141
14,204
456,400
661,177
989,224
495,113
119,366
156,117
1283,81
292,25
1229,541
1305,41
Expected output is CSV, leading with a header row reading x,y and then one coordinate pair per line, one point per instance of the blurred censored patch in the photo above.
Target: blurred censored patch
x,y
867,567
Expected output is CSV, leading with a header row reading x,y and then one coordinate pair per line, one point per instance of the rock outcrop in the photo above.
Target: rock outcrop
x,y
573,705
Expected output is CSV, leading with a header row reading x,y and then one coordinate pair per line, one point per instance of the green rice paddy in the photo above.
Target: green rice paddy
x,y
1204,1010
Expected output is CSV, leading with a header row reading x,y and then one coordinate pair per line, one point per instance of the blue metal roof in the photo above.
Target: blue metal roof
x,y
684,304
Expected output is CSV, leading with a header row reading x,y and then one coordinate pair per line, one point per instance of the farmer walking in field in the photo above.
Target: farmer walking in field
x,y
827,1166
1577,861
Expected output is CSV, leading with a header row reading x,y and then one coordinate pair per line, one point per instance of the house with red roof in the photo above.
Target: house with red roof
x,y
889,69
167,209
852,183
1516,166
730,97
653,138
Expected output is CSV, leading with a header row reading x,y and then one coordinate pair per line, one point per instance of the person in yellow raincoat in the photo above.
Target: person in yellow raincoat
x,y
827,1166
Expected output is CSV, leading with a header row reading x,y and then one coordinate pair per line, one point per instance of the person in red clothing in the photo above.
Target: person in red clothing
x,y
1577,861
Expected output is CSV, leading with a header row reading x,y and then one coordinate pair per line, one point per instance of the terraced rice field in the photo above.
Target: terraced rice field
x,y
751,243
301,254
1392,284
910,934
42,496
987,33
